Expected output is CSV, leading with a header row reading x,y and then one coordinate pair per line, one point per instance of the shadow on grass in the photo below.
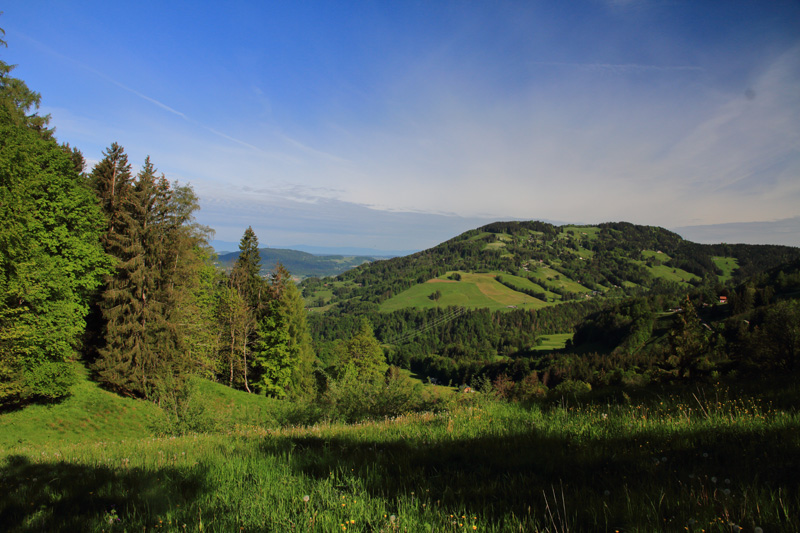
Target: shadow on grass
x,y
614,483
61,496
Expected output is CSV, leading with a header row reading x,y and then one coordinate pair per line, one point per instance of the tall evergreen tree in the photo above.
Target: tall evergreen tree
x,y
153,240
243,306
283,359
113,183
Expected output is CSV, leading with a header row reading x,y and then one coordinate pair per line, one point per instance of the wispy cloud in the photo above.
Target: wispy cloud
x,y
620,68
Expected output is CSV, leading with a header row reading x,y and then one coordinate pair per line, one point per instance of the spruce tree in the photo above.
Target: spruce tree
x,y
283,359
153,240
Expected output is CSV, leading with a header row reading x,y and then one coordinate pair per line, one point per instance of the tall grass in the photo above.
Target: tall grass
x,y
702,460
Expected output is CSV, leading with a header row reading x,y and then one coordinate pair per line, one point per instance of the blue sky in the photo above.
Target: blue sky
x,y
397,125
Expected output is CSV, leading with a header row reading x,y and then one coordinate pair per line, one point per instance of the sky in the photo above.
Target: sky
x,y
397,125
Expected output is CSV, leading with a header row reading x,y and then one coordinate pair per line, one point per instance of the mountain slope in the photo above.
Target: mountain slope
x,y
551,264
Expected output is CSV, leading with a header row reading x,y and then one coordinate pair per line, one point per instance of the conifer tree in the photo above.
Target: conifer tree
x,y
283,359
363,354
152,239
243,304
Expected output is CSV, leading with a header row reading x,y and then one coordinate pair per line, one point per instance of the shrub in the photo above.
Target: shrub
x,y
572,389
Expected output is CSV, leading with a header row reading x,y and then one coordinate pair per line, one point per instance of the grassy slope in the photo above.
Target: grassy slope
x,y
727,265
89,414
667,462
474,291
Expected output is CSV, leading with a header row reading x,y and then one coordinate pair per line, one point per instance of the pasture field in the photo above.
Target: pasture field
x,y
702,460
556,341
727,265
522,282
474,291
553,277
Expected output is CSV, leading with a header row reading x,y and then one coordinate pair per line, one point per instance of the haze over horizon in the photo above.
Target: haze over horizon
x,y
396,126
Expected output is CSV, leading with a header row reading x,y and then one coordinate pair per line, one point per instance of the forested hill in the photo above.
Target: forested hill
x,y
300,264
560,263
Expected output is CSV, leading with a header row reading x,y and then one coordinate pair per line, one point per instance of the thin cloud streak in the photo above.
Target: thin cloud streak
x,y
620,68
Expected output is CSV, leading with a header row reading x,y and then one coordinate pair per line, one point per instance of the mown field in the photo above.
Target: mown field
x,y
474,291
701,459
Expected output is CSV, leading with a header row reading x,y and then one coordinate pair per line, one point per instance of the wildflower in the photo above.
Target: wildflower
x,y
306,498
758,530
726,492
606,492
713,479
392,518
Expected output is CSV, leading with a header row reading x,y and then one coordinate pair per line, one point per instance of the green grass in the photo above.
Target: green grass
x,y
474,291
525,283
549,275
556,341
89,413
702,460
727,265
587,232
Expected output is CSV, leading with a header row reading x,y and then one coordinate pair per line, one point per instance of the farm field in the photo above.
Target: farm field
x,y
727,265
554,341
657,462
473,291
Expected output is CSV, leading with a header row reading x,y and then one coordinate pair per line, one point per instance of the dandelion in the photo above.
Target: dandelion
x,y
606,492
713,479
726,492
306,498
392,518
758,530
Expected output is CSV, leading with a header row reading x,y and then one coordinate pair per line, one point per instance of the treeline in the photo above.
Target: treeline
x,y
451,343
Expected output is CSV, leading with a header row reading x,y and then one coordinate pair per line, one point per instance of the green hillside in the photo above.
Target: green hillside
x,y
549,264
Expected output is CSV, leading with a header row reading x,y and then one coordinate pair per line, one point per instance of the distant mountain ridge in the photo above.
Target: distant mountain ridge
x,y
301,264
226,247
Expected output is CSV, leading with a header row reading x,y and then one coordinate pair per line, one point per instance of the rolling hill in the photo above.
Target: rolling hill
x,y
507,265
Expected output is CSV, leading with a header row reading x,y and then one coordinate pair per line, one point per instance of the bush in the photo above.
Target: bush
x,y
183,410
571,389
50,380
351,398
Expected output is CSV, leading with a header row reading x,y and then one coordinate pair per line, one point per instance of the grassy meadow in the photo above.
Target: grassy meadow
x,y
701,459
475,290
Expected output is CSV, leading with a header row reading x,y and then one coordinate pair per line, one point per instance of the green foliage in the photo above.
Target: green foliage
x,y
152,236
50,257
362,355
351,398
272,356
570,389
